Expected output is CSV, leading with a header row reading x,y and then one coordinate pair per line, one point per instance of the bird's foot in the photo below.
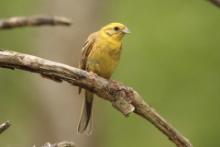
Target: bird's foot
x,y
95,74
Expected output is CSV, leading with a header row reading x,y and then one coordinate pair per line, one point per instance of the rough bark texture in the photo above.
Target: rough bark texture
x,y
123,98
33,21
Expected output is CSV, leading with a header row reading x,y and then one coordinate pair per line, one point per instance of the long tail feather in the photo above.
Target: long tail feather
x,y
85,123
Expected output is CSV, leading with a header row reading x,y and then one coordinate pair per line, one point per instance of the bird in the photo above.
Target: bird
x,y
100,55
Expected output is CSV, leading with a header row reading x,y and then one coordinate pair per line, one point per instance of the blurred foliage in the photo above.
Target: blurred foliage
x,y
15,104
172,58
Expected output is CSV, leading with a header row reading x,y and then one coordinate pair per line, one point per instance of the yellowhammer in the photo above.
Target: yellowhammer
x,y
100,54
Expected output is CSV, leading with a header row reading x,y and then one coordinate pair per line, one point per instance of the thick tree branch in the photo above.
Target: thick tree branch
x,y
33,21
123,98
4,126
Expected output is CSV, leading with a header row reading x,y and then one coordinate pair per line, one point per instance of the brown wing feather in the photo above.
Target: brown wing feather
x,y
87,47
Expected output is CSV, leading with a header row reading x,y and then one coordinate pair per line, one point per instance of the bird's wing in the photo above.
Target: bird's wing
x,y
87,47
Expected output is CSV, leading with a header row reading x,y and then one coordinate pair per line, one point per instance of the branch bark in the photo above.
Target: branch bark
x,y
60,144
4,126
123,98
15,22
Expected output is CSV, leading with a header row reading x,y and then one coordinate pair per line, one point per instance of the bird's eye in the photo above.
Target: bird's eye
x,y
116,28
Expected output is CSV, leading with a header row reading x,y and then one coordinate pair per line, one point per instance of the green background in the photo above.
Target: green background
x,y
171,58
15,88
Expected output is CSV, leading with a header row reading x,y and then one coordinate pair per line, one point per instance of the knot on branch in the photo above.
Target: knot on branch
x,y
122,97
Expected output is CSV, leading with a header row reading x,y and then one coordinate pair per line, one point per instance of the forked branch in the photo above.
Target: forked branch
x,y
123,98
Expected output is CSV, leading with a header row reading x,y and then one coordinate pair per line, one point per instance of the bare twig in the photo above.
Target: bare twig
x,y
215,2
60,144
7,124
33,21
123,98
4,126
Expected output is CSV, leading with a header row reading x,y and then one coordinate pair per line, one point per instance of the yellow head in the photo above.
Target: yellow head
x,y
115,30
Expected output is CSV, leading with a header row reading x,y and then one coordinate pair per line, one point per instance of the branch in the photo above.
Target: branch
x,y
123,98
215,2
60,144
4,126
7,124
15,22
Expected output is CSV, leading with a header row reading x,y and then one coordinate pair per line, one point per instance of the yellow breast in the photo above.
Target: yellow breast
x,y
104,57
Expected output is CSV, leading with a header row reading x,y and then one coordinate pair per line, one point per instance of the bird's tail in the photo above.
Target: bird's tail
x,y
85,122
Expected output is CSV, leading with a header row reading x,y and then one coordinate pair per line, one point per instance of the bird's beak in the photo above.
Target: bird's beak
x,y
126,31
